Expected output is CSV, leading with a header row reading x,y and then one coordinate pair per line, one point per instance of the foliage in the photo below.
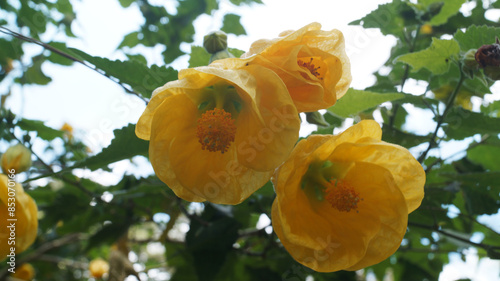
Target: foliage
x,y
83,219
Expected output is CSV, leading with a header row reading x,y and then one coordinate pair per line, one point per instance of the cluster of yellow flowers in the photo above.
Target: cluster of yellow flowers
x,y
222,131
18,211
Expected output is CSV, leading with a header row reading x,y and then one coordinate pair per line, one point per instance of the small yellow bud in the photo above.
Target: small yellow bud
x,y
426,29
24,272
98,267
16,159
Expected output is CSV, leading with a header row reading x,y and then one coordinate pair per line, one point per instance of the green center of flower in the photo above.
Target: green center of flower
x,y
219,108
324,181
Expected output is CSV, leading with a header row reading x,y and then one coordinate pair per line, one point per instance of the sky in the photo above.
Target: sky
x,y
95,106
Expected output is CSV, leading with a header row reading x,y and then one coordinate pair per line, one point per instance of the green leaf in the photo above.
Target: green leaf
x,y
140,77
450,8
126,3
480,191
130,40
462,123
405,139
476,36
389,18
486,155
125,145
43,131
231,24
356,101
34,74
436,58
210,243
56,58
199,56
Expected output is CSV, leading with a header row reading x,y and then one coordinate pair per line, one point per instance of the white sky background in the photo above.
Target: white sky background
x,y
95,106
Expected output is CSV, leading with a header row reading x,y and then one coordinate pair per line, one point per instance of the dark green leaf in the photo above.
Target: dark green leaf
x,y
389,18
141,78
405,139
356,101
34,74
486,155
462,123
125,145
210,243
43,131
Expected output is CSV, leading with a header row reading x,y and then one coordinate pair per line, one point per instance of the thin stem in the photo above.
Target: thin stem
x,y
68,56
70,238
449,105
456,237
411,48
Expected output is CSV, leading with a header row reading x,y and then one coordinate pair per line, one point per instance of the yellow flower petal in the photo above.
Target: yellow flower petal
x,y
365,229
266,122
312,63
26,213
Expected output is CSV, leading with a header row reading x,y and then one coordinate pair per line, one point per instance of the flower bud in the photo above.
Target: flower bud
x,y
24,272
98,267
16,159
215,42
224,54
470,64
316,118
488,57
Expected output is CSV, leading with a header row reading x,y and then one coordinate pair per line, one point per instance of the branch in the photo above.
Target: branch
x,y
7,31
449,105
456,237
70,238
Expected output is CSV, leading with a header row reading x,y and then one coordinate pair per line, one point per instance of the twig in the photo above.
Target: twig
x,y
441,118
7,31
456,237
70,238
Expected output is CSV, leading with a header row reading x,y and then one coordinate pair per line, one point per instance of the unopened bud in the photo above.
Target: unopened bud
x,y
215,42
488,57
224,54
24,272
16,159
98,267
470,65
316,118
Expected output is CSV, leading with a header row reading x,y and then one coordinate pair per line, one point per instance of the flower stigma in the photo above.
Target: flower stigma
x,y
216,130
311,67
342,196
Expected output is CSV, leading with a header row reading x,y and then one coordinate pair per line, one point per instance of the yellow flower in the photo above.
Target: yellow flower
x,y
311,62
24,272
98,268
16,159
68,130
343,201
218,134
18,205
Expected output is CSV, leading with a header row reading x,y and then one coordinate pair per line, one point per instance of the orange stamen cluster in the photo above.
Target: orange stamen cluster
x,y
342,196
311,67
216,130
